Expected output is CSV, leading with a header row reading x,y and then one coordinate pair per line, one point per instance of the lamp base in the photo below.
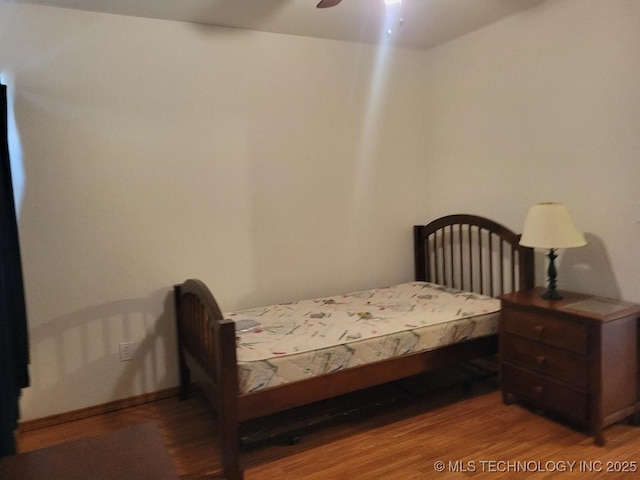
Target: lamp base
x,y
551,293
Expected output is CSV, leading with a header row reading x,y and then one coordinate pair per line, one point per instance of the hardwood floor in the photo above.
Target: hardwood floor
x,y
473,433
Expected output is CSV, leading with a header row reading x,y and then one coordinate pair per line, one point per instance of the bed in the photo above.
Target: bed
x,y
242,363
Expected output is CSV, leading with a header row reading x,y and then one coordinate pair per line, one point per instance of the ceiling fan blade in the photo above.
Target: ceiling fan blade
x,y
328,3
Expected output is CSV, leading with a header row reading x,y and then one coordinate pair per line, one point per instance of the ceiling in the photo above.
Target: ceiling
x,y
417,24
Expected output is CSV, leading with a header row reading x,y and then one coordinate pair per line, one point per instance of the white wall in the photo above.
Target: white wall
x,y
277,167
272,167
542,106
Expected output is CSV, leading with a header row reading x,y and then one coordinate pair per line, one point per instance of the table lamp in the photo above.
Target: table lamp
x,y
549,225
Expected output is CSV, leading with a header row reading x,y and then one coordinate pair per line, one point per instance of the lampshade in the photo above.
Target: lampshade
x,y
549,225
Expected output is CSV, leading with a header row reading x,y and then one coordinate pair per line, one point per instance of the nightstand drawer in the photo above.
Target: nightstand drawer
x,y
552,331
545,393
536,356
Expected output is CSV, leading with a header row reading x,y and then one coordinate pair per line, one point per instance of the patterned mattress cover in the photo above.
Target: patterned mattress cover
x,y
297,340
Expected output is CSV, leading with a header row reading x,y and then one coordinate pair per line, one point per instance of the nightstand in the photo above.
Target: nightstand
x,y
576,357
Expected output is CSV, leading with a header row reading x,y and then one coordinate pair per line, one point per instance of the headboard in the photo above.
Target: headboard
x,y
482,255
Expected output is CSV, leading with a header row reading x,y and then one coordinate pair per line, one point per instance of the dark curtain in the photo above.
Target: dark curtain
x,y
14,342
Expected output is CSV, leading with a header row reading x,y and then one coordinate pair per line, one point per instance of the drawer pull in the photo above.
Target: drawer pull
x,y
538,390
538,328
540,359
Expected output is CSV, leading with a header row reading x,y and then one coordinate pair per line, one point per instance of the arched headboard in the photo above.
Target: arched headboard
x,y
472,253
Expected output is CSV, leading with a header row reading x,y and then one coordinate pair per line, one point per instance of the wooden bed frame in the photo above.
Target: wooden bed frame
x,y
461,251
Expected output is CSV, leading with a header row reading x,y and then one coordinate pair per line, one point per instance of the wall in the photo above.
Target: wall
x,y
276,167
545,106
272,167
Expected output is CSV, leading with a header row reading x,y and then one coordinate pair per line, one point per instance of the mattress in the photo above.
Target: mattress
x,y
294,341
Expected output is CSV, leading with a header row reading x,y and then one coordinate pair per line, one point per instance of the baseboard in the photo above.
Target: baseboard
x,y
97,409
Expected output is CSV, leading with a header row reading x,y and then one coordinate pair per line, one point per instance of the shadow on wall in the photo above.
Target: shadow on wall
x,y
82,352
588,269
154,356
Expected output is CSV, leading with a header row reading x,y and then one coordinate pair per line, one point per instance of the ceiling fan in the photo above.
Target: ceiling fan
x,y
328,3
333,3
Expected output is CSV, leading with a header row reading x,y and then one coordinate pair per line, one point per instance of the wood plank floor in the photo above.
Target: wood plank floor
x,y
473,433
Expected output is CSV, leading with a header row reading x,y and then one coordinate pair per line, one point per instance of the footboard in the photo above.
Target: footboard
x,y
206,349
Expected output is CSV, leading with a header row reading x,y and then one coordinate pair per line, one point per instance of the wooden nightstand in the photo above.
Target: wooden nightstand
x,y
576,357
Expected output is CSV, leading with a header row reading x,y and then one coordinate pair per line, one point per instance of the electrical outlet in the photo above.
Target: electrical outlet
x,y
126,351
